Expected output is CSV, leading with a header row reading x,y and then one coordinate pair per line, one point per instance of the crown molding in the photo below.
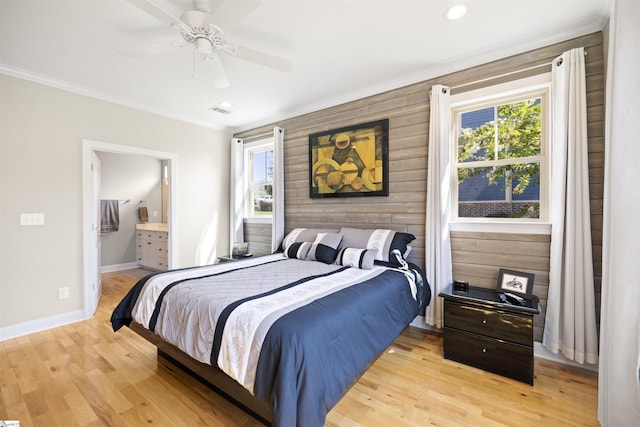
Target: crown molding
x,y
453,64
102,96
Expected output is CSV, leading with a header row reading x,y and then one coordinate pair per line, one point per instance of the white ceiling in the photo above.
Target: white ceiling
x,y
340,50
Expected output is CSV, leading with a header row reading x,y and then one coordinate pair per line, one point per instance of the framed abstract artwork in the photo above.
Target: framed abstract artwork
x,y
350,161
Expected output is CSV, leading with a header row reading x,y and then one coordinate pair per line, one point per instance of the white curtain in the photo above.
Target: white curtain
x,y
438,267
277,226
570,325
236,177
619,369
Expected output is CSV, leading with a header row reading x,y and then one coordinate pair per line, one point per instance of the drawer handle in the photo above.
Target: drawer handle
x,y
484,350
484,321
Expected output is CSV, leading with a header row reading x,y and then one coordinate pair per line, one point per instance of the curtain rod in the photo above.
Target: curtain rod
x,y
256,137
522,70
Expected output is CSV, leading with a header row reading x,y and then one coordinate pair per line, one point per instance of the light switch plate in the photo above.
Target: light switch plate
x,y
32,219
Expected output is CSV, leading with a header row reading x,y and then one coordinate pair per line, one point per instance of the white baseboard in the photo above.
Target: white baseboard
x,y
38,325
118,267
543,353
419,322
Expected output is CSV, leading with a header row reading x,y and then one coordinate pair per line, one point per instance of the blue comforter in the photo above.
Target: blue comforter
x,y
311,354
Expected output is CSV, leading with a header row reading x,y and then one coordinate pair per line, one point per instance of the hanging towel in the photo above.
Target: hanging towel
x,y
143,213
109,215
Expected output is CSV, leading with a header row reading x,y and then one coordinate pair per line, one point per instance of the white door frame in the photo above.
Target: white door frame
x,y
89,199
95,253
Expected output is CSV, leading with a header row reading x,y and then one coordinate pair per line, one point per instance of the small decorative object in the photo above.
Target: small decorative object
x,y
516,282
350,161
461,286
240,250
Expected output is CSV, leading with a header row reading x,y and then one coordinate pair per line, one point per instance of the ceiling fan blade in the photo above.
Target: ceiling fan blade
x,y
229,13
150,49
162,13
262,58
208,6
220,79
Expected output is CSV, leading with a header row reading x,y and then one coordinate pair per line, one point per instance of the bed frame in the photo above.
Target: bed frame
x,y
210,376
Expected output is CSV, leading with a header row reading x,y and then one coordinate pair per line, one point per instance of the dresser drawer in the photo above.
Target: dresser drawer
x,y
491,323
159,262
158,236
493,355
144,245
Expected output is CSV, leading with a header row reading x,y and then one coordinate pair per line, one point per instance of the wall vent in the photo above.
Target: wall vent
x,y
220,110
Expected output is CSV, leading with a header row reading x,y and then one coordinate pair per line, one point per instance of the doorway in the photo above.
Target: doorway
x,y
91,191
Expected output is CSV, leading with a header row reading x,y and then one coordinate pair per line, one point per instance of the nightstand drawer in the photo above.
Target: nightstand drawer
x,y
491,323
493,355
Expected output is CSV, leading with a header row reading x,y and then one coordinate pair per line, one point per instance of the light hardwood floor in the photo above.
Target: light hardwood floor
x,y
83,374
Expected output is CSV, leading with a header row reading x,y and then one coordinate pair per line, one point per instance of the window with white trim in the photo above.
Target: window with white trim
x,y
258,157
500,153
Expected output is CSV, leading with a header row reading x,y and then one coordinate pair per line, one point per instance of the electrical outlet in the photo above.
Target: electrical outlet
x,y
63,293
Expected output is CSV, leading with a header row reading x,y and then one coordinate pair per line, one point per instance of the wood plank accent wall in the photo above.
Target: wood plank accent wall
x,y
476,256
258,235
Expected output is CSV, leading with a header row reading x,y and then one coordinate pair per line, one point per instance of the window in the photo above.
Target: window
x,y
259,178
500,153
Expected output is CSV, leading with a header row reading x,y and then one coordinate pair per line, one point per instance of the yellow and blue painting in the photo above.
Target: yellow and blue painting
x,y
350,161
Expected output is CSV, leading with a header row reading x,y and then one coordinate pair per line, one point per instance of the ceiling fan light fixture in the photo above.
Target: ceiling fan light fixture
x,y
456,11
204,46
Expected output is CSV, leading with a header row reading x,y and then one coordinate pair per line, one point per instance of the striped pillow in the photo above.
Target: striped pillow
x,y
381,241
359,258
297,250
325,247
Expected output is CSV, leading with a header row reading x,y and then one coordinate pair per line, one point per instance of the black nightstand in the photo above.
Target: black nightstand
x,y
483,332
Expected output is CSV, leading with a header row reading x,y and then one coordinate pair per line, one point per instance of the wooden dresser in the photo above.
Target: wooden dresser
x,y
152,245
481,331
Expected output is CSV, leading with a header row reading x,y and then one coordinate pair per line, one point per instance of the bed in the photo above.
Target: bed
x,y
284,335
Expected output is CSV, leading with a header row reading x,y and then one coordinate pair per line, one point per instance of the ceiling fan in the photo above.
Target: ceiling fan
x,y
198,30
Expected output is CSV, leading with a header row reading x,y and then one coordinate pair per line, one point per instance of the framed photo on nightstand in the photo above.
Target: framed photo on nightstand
x,y
517,282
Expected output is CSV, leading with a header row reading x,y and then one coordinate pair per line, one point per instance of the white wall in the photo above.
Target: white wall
x,y
134,178
619,372
41,132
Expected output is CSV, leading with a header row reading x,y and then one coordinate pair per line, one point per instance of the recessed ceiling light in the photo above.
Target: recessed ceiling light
x,y
455,12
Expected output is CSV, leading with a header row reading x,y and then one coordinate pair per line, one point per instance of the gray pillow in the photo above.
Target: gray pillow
x,y
303,235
